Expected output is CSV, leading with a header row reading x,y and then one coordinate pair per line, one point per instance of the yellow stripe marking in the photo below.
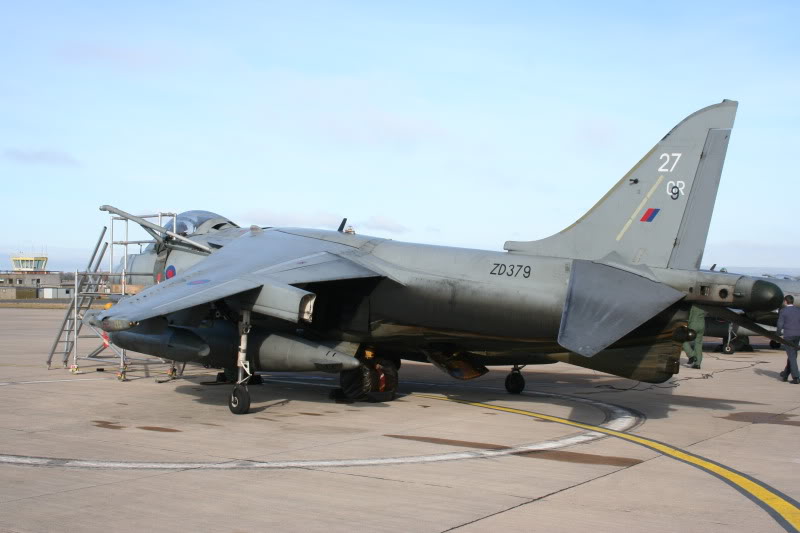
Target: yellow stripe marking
x,y
787,510
641,205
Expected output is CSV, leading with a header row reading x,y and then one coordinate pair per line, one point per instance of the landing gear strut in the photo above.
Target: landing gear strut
x,y
515,383
239,400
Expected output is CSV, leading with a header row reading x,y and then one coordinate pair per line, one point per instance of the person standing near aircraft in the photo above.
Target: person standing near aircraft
x,y
789,329
694,349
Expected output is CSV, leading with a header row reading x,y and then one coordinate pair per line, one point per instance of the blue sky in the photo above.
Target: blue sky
x,y
459,123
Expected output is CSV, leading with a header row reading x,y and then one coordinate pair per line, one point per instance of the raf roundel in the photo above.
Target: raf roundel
x,y
171,272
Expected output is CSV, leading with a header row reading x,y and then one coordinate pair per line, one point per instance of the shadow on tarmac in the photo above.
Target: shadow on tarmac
x,y
654,401
273,393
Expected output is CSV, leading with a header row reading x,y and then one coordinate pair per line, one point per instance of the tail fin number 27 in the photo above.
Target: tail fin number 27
x,y
667,159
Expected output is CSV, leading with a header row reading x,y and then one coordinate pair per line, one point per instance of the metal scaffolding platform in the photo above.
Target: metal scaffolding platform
x,y
90,286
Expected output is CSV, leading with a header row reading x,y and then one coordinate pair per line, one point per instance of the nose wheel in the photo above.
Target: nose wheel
x,y
239,400
515,383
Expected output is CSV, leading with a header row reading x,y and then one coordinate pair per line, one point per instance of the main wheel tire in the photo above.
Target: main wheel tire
x,y
384,381
239,400
375,381
356,383
775,345
515,383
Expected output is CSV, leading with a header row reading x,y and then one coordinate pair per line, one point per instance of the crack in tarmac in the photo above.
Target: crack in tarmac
x,y
539,498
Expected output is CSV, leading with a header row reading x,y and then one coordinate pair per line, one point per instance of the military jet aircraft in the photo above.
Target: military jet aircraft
x,y
610,292
736,337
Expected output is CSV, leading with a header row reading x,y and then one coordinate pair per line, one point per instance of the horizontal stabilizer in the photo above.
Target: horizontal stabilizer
x,y
604,304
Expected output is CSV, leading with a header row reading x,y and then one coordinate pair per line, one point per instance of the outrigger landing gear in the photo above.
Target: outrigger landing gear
x,y
239,400
515,383
728,349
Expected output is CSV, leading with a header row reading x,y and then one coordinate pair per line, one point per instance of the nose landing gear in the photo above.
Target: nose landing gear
x,y
239,400
515,383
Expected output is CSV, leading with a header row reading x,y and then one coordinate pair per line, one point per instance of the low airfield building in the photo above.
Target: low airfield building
x,y
29,279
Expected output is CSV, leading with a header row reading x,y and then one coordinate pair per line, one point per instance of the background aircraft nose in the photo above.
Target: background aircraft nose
x,y
765,295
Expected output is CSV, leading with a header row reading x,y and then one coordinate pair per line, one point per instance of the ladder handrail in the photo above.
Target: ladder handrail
x,y
72,302
92,283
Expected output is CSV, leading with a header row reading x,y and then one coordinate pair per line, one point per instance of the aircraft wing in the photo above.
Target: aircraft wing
x,y
269,263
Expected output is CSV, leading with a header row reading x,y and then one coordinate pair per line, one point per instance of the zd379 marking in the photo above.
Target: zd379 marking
x,y
512,271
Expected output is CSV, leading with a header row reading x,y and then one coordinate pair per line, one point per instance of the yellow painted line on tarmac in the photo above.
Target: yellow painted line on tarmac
x,y
785,510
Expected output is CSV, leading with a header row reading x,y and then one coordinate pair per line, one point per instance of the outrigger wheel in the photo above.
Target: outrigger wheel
x,y
515,383
239,400
728,348
374,381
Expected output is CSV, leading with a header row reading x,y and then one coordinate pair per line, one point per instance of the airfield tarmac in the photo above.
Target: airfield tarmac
x,y
87,453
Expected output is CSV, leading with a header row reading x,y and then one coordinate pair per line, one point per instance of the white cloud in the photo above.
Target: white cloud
x,y
41,157
318,219
382,223
106,54
312,219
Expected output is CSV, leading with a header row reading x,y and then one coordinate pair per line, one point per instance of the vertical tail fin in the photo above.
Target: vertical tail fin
x,y
658,214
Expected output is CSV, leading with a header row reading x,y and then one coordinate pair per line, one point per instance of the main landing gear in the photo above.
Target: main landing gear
x,y
239,400
515,383
375,380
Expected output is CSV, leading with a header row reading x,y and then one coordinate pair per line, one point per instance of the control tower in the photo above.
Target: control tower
x,y
29,263
28,271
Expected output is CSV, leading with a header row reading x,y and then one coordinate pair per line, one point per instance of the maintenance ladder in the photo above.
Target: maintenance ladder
x,y
88,286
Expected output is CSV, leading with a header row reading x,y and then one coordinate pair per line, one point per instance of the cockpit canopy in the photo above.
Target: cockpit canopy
x,y
197,222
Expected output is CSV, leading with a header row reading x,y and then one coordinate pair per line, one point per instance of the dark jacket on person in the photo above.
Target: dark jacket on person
x,y
789,321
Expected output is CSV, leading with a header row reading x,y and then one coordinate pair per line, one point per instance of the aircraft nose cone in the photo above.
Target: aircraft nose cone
x,y
766,295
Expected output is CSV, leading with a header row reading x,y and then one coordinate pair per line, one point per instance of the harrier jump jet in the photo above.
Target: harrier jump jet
x,y
610,292
736,337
